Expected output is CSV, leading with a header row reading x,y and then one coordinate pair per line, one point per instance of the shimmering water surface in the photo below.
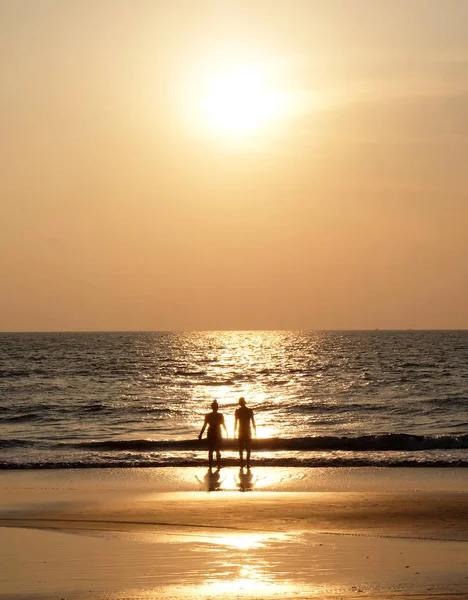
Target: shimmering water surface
x,y
320,398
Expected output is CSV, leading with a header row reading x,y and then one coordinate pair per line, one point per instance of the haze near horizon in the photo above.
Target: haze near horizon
x,y
233,165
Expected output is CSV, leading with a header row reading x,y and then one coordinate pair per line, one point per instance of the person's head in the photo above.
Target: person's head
x,y
242,401
215,406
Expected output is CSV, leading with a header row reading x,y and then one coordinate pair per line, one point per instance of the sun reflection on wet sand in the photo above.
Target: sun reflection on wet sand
x,y
247,541
242,566
230,479
234,564
162,561
248,587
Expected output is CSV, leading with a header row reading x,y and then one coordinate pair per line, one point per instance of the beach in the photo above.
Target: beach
x,y
274,532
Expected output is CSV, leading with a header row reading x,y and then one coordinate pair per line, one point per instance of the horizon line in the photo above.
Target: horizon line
x,y
415,329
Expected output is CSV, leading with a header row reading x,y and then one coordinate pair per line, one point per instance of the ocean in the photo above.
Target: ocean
x,y
321,398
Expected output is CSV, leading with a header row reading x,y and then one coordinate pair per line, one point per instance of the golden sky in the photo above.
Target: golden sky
x,y
248,164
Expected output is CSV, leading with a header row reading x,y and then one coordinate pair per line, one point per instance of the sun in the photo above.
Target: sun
x,y
239,102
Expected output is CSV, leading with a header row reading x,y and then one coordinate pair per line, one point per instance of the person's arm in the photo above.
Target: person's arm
x,y
253,423
224,426
236,421
203,429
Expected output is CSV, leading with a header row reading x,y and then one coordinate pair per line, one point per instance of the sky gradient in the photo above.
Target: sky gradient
x,y
120,209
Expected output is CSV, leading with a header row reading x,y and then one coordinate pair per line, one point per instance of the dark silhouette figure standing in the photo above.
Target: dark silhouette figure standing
x,y
243,417
214,421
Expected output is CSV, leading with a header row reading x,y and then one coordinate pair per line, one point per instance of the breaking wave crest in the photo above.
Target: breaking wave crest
x,y
385,442
386,450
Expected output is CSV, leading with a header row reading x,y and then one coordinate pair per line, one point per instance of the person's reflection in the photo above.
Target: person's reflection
x,y
245,480
213,480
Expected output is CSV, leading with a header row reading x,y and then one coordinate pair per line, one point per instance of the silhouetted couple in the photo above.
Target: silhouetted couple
x,y
243,419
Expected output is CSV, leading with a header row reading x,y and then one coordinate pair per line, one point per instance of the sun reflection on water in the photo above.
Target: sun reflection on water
x,y
238,364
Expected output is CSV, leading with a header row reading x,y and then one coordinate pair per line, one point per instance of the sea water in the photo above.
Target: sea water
x,y
338,398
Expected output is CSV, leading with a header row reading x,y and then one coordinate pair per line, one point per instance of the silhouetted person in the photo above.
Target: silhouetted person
x,y
243,417
214,421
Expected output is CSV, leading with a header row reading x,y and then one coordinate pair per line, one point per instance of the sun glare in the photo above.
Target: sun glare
x,y
239,102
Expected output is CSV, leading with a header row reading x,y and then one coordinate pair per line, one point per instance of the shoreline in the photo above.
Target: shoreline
x,y
296,459
302,533
265,478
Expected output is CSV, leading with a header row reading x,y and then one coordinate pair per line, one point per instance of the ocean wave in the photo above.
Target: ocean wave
x,y
97,407
19,373
258,461
449,402
318,407
383,443
189,373
5,444
152,410
22,418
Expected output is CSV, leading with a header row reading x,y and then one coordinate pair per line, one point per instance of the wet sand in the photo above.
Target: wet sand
x,y
276,532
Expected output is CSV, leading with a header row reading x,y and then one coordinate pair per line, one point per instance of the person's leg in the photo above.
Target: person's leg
x,y
217,447
248,449
241,452
210,458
